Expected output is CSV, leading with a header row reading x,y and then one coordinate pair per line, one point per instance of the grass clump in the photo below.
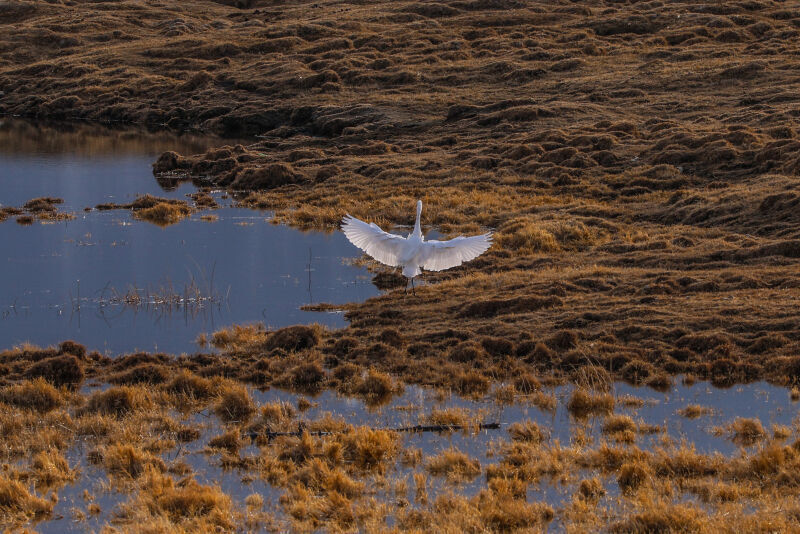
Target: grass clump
x,y
661,518
229,441
163,213
447,417
501,510
238,337
376,387
118,401
747,431
37,395
63,370
618,423
307,377
294,338
591,489
234,404
130,462
455,465
163,504
526,237
50,468
189,386
528,432
472,383
275,415
192,500
17,504
581,403
632,475
368,449
693,411
40,204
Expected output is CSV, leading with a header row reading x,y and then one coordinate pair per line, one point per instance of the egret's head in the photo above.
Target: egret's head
x,y
419,206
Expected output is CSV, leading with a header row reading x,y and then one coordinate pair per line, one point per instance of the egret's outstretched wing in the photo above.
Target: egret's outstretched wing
x,y
441,255
383,246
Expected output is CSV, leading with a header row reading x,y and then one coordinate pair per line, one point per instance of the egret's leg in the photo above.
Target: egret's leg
x,y
412,287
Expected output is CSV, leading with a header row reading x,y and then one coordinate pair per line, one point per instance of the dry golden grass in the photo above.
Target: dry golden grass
x,y
17,504
36,395
527,431
118,401
42,209
583,403
163,213
127,461
747,431
455,465
161,504
234,404
693,411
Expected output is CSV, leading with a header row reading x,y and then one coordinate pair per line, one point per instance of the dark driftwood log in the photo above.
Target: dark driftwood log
x,y
416,428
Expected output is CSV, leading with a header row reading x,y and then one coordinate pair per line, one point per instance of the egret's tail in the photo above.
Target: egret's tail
x,y
410,271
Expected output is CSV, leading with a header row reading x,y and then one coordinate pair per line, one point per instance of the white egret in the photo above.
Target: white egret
x,y
413,253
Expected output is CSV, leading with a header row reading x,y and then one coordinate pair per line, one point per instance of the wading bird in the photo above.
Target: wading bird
x,y
413,253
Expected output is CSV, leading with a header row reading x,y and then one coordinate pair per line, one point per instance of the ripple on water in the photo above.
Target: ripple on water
x,y
70,279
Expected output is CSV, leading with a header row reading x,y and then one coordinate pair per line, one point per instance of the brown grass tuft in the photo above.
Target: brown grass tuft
x,y
368,449
591,489
234,404
130,462
632,475
618,423
163,213
230,441
693,411
528,431
747,431
376,387
472,383
17,503
455,465
118,401
294,338
189,386
581,403
663,518
36,395
64,370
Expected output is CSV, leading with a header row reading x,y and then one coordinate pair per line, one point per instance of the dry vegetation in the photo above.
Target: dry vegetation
x,y
42,209
333,475
638,162
645,210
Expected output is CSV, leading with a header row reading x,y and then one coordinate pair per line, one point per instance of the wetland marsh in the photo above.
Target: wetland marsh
x,y
634,331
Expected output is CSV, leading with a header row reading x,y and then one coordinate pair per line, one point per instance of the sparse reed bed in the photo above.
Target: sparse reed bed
x,y
329,473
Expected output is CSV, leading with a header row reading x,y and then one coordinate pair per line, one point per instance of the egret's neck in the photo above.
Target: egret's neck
x,y
417,227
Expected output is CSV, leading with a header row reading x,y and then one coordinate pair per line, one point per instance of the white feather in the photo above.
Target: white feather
x,y
383,246
413,253
441,255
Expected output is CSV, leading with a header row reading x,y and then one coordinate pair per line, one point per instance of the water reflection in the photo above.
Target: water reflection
x,y
117,284
758,400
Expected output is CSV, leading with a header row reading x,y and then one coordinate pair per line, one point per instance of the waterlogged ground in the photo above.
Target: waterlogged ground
x,y
157,442
444,463
637,162
118,284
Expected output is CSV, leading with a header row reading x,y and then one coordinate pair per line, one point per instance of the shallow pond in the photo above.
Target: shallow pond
x,y
761,401
117,284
